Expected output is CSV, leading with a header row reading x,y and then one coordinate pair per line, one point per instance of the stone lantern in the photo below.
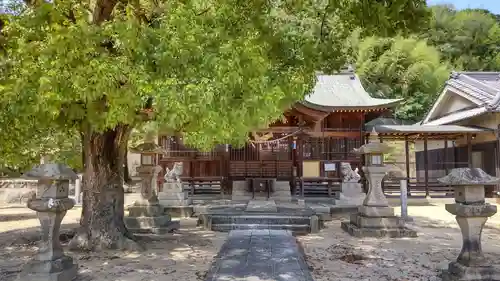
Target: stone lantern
x,y
471,213
146,215
375,218
51,203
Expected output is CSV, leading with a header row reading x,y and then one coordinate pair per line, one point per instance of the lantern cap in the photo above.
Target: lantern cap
x,y
468,176
51,171
374,145
149,147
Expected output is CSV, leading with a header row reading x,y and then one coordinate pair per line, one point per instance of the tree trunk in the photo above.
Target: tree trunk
x,y
126,175
101,223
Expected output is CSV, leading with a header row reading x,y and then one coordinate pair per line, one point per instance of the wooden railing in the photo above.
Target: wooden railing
x,y
317,186
204,185
416,186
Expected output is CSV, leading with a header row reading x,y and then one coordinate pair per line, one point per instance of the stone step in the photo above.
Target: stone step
x,y
295,228
260,219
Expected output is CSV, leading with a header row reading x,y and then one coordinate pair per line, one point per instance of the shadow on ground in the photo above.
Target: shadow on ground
x,y
183,255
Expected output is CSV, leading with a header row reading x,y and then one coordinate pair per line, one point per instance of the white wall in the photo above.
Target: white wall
x,y
133,161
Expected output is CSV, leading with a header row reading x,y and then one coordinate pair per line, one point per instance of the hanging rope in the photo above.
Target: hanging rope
x,y
276,140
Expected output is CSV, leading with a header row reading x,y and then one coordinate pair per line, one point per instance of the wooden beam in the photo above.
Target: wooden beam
x,y
469,150
445,152
407,162
497,156
338,134
426,167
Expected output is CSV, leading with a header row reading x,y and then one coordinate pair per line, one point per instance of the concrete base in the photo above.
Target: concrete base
x,y
371,226
377,232
62,269
154,225
459,272
179,211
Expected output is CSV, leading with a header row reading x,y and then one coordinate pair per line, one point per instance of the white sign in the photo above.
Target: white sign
x,y
330,167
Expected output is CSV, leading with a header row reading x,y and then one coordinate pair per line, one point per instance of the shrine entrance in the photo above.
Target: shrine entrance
x,y
260,187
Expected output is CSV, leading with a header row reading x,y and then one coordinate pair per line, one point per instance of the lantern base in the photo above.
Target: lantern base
x,y
377,227
62,269
459,272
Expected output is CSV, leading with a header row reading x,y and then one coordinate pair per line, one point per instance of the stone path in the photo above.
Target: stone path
x,y
259,255
262,206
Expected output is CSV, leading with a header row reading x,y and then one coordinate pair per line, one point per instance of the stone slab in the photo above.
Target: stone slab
x,y
268,206
376,222
271,255
377,232
459,272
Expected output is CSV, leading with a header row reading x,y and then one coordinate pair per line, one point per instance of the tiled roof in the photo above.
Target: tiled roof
x,y
458,116
343,90
483,86
428,129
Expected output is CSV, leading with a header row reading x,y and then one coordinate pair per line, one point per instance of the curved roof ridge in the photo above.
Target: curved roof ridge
x,y
343,90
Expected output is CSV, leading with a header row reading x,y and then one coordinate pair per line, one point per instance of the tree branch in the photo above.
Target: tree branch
x,y
323,20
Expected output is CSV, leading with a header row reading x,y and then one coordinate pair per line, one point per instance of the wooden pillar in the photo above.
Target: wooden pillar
x,y
497,155
407,157
345,149
445,155
426,167
226,156
469,150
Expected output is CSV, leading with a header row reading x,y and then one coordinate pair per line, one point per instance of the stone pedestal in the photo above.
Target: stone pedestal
x,y
471,213
375,218
146,215
175,200
351,195
51,204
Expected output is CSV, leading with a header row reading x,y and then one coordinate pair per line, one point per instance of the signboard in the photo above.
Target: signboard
x,y
330,167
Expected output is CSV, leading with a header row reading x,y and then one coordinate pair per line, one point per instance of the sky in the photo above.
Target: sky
x,y
492,5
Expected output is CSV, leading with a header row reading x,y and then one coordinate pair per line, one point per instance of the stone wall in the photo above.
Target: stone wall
x,y
15,190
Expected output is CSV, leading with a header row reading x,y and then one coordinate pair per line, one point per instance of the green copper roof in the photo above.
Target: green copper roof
x,y
343,90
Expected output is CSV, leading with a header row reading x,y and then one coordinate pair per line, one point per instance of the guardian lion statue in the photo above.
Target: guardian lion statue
x,y
174,174
349,174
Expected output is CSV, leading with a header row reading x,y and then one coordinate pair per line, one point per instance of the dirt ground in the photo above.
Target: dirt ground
x,y
333,255
187,254
183,255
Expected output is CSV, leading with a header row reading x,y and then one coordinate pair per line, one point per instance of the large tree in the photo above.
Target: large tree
x,y
213,69
404,68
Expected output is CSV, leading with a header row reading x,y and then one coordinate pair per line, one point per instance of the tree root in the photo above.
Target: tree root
x,y
82,242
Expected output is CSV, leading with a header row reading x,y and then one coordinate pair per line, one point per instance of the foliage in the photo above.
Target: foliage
x,y
469,39
404,68
213,69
